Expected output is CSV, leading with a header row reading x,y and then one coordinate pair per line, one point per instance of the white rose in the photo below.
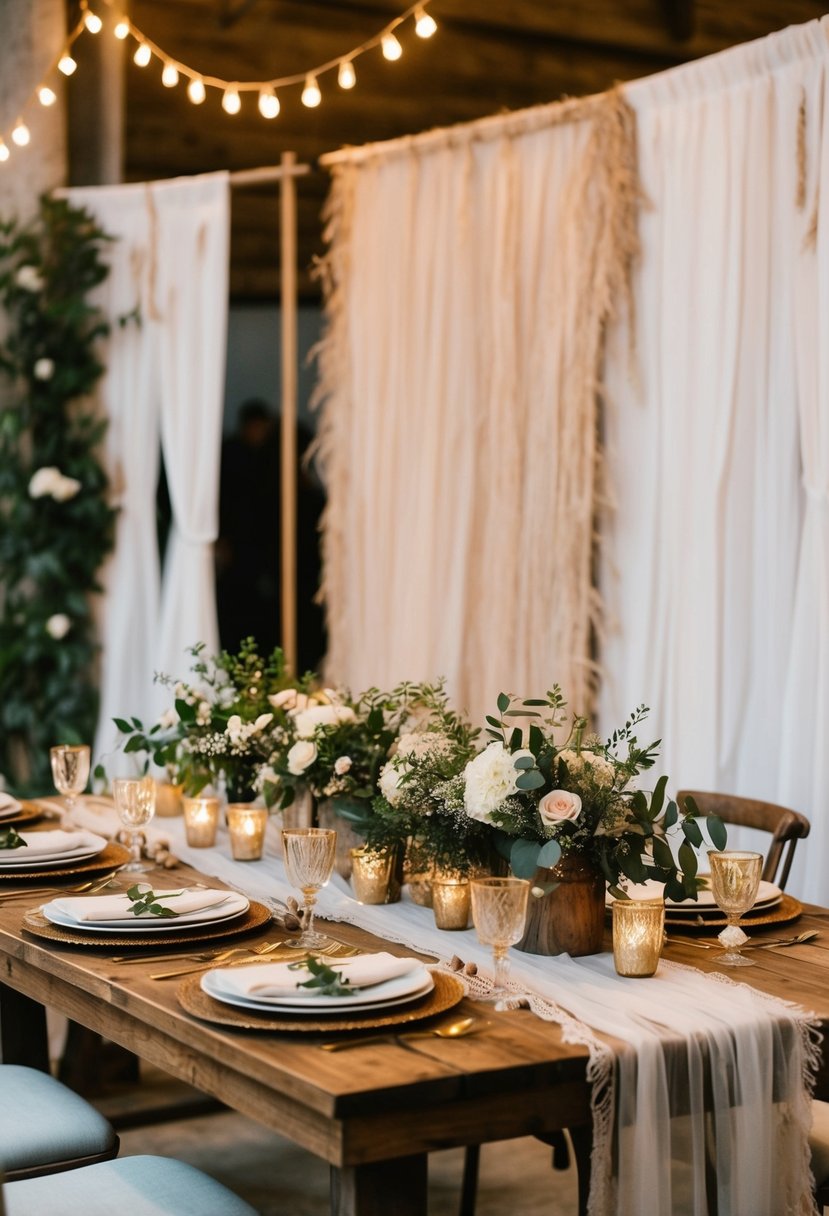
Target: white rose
x,y
342,765
261,722
306,721
489,779
559,806
29,278
234,728
44,481
58,626
44,369
65,488
301,756
389,783
288,698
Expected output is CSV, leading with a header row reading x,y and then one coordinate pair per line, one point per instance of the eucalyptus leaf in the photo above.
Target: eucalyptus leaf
x,y
717,831
549,855
523,858
529,780
687,859
503,702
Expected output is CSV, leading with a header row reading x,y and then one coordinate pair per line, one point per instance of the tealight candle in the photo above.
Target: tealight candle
x,y
638,931
246,825
450,902
370,875
201,818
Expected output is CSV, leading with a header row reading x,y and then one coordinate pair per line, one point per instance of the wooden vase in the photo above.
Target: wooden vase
x,y
570,918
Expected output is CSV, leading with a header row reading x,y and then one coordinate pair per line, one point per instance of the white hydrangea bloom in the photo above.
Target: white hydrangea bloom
x,y
489,779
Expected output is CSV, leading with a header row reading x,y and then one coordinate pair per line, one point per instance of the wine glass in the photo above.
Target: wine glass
x,y
135,803
735,879
309,855
499,911
70,773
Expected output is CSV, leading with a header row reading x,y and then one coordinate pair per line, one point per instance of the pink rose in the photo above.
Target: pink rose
x,y
559,806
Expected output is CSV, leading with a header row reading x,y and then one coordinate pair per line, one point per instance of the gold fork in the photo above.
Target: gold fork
x,y
204,956
261,955
90,888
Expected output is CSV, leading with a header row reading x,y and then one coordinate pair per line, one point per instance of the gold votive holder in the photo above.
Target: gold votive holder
x,y
168,799
638,932
370,875
201,818
246,825
450,902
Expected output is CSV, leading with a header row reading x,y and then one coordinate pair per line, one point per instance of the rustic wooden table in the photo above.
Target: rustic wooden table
x,y
374,1112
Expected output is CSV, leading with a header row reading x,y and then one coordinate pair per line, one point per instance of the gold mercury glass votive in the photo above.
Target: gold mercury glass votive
x,y
638,930
370,875
246,825
450,902
201,818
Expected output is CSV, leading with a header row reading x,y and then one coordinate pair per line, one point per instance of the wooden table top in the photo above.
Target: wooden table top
x,y
371,1103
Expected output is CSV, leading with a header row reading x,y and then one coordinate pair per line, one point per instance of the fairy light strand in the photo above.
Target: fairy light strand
x,y
196,83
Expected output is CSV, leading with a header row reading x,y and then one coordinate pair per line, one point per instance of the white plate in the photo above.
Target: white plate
x,y
234,906
12,807
360,1001
767,896
81,852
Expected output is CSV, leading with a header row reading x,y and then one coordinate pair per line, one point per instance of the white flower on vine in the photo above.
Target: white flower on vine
x,y
289,698
342,765
301,756
44,369
168,719
389,783
48,481
29,278
58,626
203,714
306,721
66,488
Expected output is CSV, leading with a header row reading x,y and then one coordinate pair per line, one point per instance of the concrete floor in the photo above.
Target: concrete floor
x,y
279,1179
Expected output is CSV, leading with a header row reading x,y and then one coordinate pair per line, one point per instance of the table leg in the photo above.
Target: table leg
x,y
23,1037
380,1187
581,1139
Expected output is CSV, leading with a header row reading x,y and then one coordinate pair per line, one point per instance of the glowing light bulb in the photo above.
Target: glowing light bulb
x,y
346,76
425,24
196,91
93,22
20,134
391,47
231,101
66,64
169,77
4,152
143,55
268,103
311,95
46,96
122,29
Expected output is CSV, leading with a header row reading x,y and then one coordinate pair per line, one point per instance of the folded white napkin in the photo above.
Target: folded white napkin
x,y
56,843
8,805
275,980
103,908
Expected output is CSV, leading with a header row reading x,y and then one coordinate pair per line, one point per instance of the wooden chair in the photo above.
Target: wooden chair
x,y
785,826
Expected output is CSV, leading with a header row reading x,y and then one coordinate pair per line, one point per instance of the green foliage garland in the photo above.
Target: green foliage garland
x,y
56,526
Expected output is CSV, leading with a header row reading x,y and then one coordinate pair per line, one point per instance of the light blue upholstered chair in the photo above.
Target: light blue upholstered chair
x,y
45,1127
140,1186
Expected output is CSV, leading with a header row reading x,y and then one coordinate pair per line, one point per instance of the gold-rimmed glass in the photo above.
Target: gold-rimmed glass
x,y
135,803
70,773
309,855
735,880
499,913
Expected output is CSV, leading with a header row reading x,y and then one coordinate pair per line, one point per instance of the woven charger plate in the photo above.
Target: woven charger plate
x,y
29,812
257,915
787,910
110,858
447,992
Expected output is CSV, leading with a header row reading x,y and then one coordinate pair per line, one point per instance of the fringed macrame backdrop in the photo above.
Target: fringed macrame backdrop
x,y
470,276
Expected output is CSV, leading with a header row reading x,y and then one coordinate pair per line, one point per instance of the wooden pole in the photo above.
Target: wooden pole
x,y
288,292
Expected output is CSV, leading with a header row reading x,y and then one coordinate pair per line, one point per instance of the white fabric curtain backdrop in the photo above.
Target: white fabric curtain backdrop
x,y
190,295
720,624
459,435
163,383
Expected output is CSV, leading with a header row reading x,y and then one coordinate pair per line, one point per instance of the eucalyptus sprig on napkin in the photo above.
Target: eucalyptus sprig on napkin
x,y
10,839
324,979
147,901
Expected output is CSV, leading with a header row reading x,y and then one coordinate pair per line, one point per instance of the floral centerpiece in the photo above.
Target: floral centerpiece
x,y
547,800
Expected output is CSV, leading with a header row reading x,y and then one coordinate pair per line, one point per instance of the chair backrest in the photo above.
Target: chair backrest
x,y
785,826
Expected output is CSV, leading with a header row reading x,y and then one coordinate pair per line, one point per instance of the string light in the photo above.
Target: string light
x,y
269,105
231,101
311,95
391,47
425,24
346,76
197,84
196,90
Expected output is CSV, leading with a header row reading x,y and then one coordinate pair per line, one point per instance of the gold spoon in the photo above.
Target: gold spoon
x,y
448,1030
801,938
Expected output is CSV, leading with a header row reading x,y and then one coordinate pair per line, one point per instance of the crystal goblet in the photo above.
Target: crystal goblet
x,y
135,803
309,855
735,879
499,912
70,773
